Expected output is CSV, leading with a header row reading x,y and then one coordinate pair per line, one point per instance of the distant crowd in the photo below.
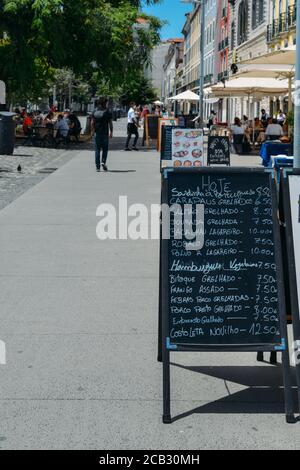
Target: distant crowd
x,y
66,124
246,132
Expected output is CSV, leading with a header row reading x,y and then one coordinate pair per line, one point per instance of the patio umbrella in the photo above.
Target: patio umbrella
x,y
242,86
278,71
250,87
286,56
211,100
187,95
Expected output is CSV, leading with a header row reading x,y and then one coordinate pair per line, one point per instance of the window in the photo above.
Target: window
x,y
242,22
258,13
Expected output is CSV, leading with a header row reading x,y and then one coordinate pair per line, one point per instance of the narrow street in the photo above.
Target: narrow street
x,y
79,319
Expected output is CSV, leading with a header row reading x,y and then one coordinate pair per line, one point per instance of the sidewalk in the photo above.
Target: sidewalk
x,y
79,318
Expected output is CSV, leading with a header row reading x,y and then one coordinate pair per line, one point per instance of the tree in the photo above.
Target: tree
x,y
137,89
90,37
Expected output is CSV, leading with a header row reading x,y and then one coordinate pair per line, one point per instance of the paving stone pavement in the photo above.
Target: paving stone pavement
x,y
36,164
79,320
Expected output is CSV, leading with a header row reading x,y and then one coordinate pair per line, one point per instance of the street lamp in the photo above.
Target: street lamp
x,y
202,46
297,94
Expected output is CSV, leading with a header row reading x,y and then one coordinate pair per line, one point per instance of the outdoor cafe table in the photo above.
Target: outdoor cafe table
x,y
271,148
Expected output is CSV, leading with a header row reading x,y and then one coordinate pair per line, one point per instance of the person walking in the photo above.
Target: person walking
x,y
102,129
132,128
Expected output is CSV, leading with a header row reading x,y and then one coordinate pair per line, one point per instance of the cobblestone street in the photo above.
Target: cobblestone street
x,y
36,164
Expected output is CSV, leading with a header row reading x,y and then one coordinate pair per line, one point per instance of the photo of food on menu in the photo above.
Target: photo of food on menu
x,y
187,148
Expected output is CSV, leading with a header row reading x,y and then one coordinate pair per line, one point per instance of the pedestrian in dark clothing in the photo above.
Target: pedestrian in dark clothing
x,y
75,126
102,128
132,128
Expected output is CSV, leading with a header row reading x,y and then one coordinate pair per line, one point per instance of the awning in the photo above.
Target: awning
x,y
211,100
187,95
277,71
285,56
243,87
265,71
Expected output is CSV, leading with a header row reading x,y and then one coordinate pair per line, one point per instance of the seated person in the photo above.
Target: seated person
x,y
49,120
27,123
62,127
238,132
75,126
274,130
38,118
258,131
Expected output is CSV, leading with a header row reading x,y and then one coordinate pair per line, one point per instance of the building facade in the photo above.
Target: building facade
x,y
155,73
235,31
222,52
173,60
210,74
281,31
191,32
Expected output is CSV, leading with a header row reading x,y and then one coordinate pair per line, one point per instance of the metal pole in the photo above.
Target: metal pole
x,y
297,94
290,93
54,95
202,49
70,93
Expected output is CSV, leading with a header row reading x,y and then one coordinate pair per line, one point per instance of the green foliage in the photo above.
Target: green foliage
x,y
138,89
290,118
93,38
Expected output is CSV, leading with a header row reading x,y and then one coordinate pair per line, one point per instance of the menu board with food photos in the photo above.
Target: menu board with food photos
x,y
187,148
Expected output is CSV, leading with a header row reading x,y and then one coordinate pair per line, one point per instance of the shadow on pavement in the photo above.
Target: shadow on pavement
x,y
121,171
22,155
117,143
264,394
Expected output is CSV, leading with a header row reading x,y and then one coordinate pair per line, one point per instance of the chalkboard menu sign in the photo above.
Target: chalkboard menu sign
x,y
218,151
166,143
290,214
223,288
294,204
152,123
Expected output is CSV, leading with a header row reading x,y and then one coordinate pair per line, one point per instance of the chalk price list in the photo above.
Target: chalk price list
x,y
226,292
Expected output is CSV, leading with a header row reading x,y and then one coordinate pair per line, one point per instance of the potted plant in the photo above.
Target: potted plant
x,y
290,123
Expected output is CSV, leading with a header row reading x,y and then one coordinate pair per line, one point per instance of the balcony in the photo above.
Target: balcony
x,y
223,44
208,78
283,24
224,12
223,75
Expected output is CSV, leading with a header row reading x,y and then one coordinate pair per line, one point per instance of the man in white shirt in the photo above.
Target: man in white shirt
x,y
274,131
281,117
132,128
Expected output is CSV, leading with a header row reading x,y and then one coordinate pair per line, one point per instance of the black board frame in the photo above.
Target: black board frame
x,y
161,159
164,346
291,262
219,164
